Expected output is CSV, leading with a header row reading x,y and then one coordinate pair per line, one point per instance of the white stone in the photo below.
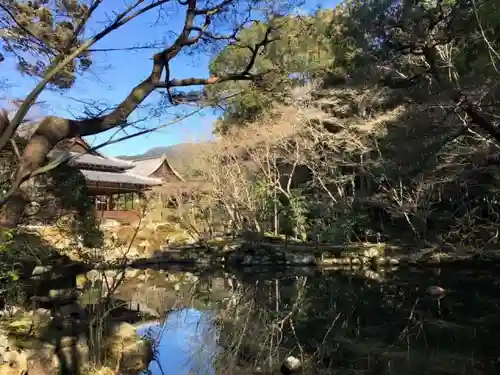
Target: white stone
x,y
39,270
292,363
9,311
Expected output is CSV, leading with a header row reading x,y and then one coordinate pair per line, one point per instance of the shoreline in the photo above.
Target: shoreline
x,y
361,255
224,251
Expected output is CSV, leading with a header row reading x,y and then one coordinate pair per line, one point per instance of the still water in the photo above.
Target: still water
x,y
337,322
185,343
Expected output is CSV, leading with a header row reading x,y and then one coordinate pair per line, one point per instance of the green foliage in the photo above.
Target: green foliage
x,y
399,131
289,212
300,52
70,187
266,197
396,150
294,216
9,264
37,33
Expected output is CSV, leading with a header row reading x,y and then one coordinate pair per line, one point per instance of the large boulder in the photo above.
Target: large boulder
x,y
124,349
300,259
13,363
127,350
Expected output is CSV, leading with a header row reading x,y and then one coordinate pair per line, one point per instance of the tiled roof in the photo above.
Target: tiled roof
x,y
124,178
77,159
147,166
133,171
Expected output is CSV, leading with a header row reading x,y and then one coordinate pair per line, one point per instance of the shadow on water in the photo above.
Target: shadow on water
x,y
340,322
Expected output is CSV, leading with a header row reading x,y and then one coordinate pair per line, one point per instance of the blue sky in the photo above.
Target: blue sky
x,y
113,74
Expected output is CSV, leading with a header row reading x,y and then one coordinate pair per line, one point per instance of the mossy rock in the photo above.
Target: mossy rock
x,y
129,233
156,236
222,243
145,234
28,325
127,350
81,281
182,238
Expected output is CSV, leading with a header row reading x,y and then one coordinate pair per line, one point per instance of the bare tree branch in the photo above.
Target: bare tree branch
x,y
61,61
52,130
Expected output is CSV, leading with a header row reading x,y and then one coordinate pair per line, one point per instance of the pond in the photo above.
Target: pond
x,y
341,322
185,343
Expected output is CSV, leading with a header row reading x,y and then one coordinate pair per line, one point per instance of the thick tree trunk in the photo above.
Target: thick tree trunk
x,y
52,130
12,213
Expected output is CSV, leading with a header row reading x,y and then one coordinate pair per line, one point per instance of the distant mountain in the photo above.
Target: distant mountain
x,y
181,156
170,151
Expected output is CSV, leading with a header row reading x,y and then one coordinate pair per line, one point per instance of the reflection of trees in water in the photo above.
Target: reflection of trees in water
x,y
254,323
341,322
333,321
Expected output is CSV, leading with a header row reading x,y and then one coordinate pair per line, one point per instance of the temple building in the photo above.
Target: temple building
x,y
172,186
117,186
156,167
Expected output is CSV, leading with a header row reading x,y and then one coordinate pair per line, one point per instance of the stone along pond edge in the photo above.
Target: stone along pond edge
x,y
360,255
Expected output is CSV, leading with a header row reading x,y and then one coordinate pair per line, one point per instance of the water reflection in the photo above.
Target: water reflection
x,y
339,322
184,344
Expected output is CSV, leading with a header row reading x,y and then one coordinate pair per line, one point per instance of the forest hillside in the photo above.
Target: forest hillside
x,y
369,121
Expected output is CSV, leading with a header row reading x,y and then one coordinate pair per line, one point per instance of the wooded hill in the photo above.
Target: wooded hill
x,y
395,120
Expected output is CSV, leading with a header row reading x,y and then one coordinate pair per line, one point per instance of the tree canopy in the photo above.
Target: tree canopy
x,y
406,92
52,40
37,33
302,50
